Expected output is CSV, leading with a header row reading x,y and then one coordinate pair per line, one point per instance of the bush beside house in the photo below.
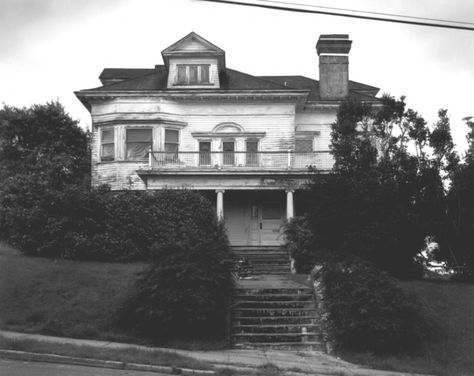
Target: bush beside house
x,y
185,293
363,309
98,225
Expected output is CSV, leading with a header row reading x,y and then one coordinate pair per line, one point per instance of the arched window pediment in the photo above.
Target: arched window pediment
x,y
228,128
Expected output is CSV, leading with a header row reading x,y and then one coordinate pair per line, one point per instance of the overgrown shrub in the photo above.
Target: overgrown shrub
x,y
97,224
299,243
185,292
366,310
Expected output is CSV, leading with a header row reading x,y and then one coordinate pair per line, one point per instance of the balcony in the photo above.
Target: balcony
x,y
239,160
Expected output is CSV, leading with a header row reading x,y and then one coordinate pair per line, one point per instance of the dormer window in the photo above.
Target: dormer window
x,y
193,74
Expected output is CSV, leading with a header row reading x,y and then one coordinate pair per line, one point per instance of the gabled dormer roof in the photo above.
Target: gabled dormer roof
x,y
194,45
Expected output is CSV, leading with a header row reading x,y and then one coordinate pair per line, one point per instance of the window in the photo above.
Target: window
x,y
304,145
193,74
171,145
138,142
228,153
251,155
107,145
204,153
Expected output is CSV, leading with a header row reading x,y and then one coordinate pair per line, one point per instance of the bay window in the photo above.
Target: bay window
x,y
137,143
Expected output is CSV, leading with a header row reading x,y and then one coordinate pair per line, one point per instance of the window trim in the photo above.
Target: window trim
x,y
125,143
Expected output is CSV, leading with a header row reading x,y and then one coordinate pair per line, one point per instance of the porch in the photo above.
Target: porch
x,y
254,218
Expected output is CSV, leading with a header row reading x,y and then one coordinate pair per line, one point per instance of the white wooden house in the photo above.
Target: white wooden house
x,y
195,123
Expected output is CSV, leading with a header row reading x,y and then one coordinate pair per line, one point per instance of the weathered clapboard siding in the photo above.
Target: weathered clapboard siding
x,y
319,121
275,119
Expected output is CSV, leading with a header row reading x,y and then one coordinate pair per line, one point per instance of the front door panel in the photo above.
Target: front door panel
x,y
270,223
254,228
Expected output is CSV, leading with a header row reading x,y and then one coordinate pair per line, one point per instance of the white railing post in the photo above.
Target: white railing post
x,y
289,158
149,157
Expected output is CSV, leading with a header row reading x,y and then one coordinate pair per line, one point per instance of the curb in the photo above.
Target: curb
x,y
53,358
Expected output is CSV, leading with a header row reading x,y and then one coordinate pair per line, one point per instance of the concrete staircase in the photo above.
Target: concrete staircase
x,y
281,318
264,260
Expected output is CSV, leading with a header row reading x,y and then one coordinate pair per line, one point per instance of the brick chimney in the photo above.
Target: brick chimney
x,y
333,51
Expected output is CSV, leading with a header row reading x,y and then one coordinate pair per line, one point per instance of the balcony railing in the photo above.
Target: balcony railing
x,y
277,160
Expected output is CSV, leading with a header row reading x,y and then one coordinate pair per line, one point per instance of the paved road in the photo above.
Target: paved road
x,y
21,368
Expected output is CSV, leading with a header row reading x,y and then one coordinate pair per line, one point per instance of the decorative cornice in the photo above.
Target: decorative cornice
x,y
200,95
139,121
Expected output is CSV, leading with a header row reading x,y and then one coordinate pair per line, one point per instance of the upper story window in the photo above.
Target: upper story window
x,y
304,145
171,140
107,145
138,142
228,149
251,155
193,74
171,144
204,153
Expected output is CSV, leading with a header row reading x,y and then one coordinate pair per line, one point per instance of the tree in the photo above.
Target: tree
x,y
459,250
386,192
43,140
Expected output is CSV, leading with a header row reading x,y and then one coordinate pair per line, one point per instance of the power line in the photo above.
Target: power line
x,y
300,10
367,12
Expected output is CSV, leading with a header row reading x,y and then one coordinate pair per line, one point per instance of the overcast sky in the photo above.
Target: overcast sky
x,y
50,48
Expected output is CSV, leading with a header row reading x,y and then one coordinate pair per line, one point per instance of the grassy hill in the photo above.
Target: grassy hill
x,y
61,297
79,299
452,306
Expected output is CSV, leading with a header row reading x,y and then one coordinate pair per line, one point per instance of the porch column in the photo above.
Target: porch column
x,y
290,212
220,204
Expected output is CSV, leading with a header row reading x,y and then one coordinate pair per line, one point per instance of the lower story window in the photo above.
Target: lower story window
x,y
138,143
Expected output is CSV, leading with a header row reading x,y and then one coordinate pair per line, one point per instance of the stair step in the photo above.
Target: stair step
x,y
275,320
263,329
309,345
275,337
273,297
262,312
270,304
283,291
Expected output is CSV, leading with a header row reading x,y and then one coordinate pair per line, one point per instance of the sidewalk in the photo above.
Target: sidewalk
x,y
312,362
